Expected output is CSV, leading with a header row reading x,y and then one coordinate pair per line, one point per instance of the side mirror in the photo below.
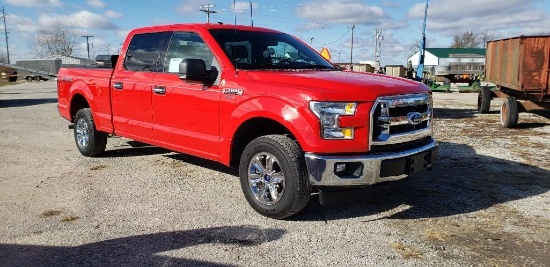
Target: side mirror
x,y
193,69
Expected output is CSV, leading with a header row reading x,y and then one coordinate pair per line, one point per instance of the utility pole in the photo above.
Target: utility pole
x,y
206,9
6,33
351,53
87,43
378,45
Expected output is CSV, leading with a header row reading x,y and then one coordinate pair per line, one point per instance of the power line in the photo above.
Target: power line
x,y
340,38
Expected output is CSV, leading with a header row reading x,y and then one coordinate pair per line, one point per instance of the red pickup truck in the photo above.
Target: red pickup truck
x,y
258,100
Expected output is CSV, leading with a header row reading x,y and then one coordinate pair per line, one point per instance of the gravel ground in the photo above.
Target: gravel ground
x,y
485,203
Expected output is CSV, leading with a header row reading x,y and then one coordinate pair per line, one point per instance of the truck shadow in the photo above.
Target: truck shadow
x,y
140,250
14,103
445,113
460,182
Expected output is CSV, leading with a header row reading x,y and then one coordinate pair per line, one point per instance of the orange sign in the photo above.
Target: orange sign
x,y
325,53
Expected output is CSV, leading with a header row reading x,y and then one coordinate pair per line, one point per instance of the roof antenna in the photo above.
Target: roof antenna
x,y
235,13
251,18
234,48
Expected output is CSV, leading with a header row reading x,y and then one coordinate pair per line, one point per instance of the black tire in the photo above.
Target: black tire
x,y
28,78
484,100
288,160
89,141
509,112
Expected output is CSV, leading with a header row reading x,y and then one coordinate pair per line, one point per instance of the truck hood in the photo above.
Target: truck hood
x,y
341,85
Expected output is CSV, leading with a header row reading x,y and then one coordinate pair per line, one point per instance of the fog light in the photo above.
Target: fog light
x,y
340,167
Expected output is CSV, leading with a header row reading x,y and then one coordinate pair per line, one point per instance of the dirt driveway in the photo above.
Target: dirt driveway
x,y
485,203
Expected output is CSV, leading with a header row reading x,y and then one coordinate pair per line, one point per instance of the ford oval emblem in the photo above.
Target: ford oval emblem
x,y
414,118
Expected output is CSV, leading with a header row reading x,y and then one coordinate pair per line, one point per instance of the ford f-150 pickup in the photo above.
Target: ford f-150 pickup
x,y
258,100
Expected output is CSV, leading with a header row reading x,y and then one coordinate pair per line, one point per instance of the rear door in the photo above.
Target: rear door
x,y
132,88
186,114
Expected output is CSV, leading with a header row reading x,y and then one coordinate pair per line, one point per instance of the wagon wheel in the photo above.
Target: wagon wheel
x,y
509,112
484,100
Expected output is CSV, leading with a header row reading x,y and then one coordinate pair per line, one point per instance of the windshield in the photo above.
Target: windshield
x,y
267,50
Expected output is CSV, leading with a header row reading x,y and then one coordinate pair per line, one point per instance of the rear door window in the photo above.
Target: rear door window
x,y
144,51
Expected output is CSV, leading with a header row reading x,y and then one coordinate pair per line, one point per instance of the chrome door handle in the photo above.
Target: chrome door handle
x,y
118,85
159,90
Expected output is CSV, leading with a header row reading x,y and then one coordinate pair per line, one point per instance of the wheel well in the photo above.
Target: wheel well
x,y
250,130
77,103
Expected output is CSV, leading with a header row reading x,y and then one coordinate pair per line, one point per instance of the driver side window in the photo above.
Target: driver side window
x,y
187,45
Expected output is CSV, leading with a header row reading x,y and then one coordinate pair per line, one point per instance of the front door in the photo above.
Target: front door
x,y
186,114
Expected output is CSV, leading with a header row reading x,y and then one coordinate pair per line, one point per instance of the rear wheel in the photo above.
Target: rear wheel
x,y
89,141
484,100
509,112
273,176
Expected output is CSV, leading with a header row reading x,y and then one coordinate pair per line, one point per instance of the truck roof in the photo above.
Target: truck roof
x,y
207,26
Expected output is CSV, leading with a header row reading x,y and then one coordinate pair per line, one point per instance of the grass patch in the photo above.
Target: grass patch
x,y
70,218
51,213
98,167
406,251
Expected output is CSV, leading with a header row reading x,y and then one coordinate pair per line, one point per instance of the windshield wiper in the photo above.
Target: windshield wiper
x,y
318,67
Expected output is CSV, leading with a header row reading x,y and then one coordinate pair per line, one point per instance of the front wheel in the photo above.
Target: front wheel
x,y
89,141
273,176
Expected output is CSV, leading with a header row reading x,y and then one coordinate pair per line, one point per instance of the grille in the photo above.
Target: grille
x,y
400,119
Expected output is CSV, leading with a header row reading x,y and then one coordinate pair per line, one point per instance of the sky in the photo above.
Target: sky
x,y
322,24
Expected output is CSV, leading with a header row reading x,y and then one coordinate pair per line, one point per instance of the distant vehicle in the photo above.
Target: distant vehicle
x,y
103,61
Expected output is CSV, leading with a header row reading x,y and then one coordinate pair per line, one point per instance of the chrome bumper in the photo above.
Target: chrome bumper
x,y
369,169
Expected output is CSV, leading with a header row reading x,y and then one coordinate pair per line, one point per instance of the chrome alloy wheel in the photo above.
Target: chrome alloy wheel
x,y
266,178
82,133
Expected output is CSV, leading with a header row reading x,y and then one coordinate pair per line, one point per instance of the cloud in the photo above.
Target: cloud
x,y
391,4
515,17
243,6
113,14
82,19
122,34
34,3
22,24
96,3
342,12
311,26
188,7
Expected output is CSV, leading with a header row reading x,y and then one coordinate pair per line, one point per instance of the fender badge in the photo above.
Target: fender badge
x,y
233,91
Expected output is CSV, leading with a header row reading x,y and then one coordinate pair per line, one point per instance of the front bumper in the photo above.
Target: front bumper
x,y
369,169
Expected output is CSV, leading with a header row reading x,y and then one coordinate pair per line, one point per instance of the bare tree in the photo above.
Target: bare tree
x,y
3,58
416,45
53,41
470,39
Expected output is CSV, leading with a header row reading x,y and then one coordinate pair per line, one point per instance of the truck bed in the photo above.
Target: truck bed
x,y
74,80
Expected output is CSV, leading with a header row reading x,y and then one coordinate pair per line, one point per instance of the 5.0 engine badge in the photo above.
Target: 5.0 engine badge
x,y
233,91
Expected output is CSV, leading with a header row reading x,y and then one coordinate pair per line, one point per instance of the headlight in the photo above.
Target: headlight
x,y
328,114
